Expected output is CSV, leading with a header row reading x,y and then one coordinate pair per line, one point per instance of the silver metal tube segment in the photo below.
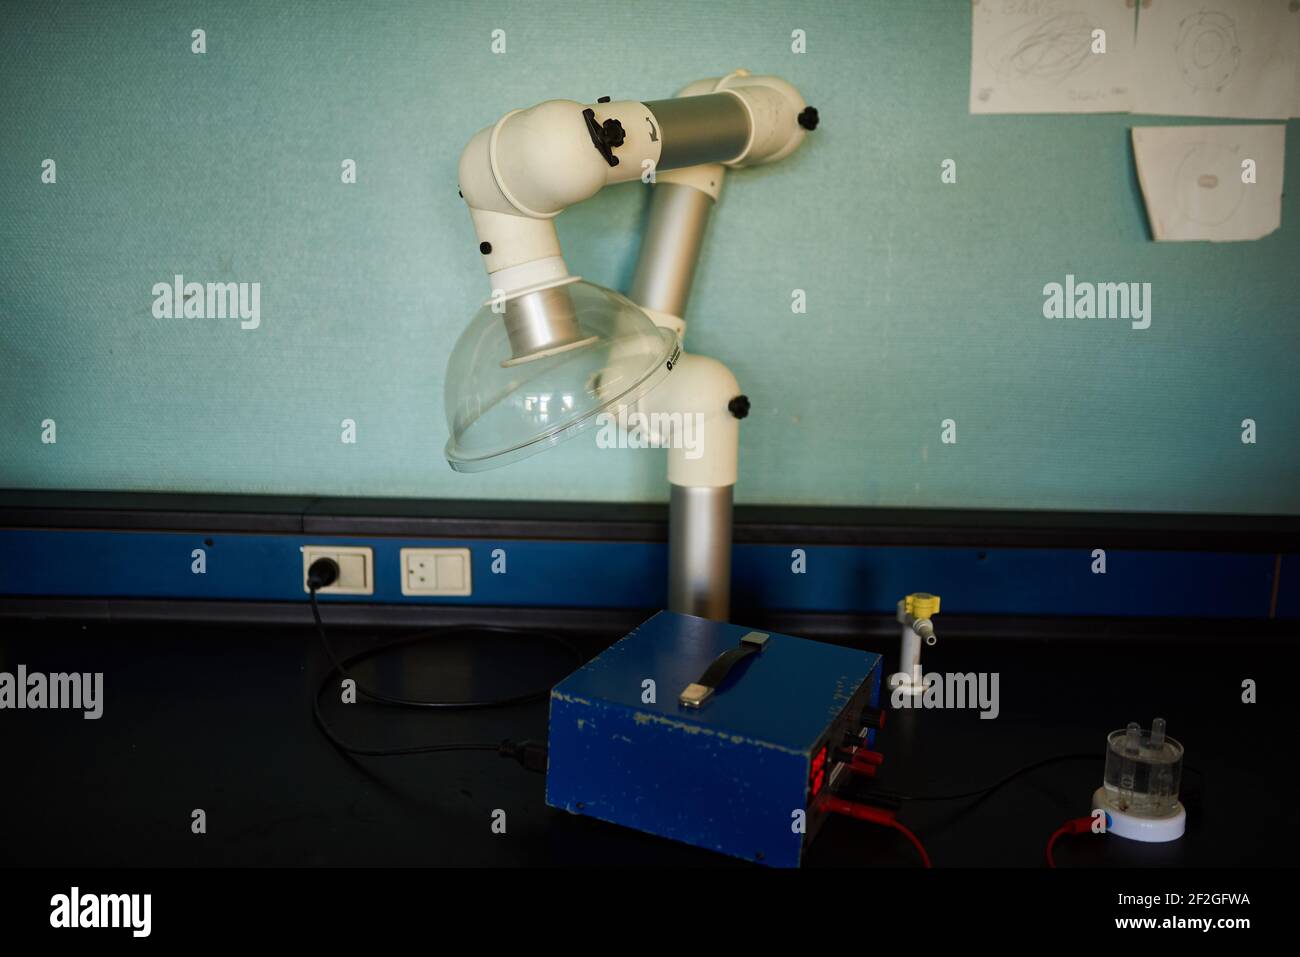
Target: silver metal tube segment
x,y
699,551
712,128
671,247
538,321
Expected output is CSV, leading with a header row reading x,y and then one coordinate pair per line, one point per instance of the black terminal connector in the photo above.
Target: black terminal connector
x,y
853,739
322,573
530,754
872,718
808,119
739,406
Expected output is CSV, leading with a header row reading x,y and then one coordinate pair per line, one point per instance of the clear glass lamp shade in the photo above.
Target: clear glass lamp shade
x,y
537,369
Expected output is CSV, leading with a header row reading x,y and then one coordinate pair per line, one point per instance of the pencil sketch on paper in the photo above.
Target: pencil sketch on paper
x,y
1207,50
1208,185
1047,49
1051,56
1234,58
1215,183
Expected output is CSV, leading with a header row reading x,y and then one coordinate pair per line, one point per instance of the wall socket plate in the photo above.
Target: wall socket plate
x,y
436,571
356,568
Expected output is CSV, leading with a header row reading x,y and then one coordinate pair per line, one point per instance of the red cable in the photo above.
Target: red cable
x,y
862,755
1080,825
863,812
916,841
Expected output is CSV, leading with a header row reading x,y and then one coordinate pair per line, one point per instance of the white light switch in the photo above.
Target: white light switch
x,y
435,571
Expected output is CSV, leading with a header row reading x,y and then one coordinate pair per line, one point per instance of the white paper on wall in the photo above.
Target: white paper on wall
x,y
1044,56
1295,91
1195,180
1234,58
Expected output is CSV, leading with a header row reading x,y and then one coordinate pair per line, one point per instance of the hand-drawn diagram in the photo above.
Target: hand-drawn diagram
x,y
1217,58
1208,183
1058,56
1047,49
1207,50
1194,186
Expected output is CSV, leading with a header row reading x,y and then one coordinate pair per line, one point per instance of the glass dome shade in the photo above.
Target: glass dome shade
x,y
538,368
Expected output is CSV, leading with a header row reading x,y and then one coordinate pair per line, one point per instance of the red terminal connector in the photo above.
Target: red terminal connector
x,y
817,773
819,759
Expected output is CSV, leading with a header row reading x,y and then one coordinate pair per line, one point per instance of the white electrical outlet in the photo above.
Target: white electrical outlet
x,y
435,571
356,568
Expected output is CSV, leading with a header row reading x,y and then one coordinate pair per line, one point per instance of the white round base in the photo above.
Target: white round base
x,y
1151,829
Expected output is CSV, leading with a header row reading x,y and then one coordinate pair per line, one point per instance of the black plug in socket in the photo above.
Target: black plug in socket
x,y
322,573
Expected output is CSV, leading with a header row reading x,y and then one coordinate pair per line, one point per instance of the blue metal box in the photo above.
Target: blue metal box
x,y
732,775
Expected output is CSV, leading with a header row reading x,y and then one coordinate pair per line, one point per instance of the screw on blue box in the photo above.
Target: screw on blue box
x,y
734,750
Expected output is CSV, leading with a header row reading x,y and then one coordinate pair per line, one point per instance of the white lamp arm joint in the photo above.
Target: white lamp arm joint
x,y
518,174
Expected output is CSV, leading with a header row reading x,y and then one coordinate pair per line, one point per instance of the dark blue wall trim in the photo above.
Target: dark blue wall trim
x,y
630,574
1288,594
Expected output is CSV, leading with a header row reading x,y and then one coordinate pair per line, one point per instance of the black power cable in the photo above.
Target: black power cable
x,y
988,790
532,755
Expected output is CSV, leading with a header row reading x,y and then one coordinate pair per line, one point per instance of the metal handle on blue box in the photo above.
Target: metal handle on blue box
x,y
700,690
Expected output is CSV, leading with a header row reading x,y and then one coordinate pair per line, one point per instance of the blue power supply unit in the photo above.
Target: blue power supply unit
x,y
708,733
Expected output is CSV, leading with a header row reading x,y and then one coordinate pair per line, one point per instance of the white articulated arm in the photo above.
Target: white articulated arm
x,y
517,175
520,173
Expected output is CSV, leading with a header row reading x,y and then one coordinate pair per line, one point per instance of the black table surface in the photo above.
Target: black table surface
x,y
218,718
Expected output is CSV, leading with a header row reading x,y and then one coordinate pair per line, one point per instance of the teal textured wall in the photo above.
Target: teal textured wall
x,y
924,299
